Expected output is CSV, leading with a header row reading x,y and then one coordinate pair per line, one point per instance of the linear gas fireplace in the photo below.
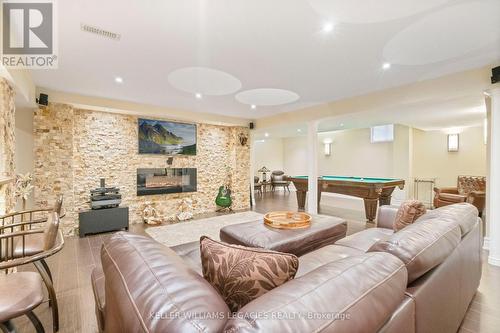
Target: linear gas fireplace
x,y
165,181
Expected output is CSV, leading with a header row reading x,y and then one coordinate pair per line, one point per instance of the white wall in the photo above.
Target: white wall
x,y
295,156
354,155
24,157
432,159
268,153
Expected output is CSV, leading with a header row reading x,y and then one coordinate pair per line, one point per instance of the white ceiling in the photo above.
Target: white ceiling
x,y
276,44
439,116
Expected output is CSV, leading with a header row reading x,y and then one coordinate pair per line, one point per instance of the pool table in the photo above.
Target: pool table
x,y
371,190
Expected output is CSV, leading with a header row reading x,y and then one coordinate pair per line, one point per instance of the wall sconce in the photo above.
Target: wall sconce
x,y
328,146
453,142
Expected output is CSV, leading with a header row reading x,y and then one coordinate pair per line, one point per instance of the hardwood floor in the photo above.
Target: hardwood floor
x,y
71,269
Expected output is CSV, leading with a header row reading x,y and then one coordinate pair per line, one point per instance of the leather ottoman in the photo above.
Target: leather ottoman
x,y
324,230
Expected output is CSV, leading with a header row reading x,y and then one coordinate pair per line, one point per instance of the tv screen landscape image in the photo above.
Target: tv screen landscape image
x,y
166,137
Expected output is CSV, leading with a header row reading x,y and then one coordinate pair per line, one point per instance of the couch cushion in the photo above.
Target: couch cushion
x,y
148,287
408,212
190,253
450,197
355,294
241,274
422,245
363,240
464,214
330,253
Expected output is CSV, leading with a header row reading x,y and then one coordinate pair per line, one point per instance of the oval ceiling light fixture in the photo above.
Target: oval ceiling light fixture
x,y
119,79
204,81
370,11
267,97
445,34
386,65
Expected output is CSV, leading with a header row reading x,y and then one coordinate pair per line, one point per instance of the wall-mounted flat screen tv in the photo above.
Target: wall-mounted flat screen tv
x,y
166,137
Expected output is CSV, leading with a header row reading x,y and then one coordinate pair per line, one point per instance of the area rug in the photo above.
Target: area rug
x,y
185,232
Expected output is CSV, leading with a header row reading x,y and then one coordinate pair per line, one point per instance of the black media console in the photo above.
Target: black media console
x,y
103,220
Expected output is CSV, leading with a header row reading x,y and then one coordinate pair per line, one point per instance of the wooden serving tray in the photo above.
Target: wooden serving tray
x,y
287,220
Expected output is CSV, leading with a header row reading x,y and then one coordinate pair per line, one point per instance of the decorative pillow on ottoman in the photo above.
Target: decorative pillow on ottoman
x,y
241,274
408,213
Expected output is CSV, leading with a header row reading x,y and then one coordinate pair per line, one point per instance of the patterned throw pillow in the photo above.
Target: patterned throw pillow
x,y
408,213
241,274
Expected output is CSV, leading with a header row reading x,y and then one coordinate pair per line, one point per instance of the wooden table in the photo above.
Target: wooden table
x,y
372,190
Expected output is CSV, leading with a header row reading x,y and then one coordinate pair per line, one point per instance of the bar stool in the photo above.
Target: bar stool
x,y
20,294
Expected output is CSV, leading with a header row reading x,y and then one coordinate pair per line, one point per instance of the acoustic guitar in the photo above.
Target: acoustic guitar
x,y
224,197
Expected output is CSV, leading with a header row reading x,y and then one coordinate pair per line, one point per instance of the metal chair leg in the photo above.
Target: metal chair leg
x,y
36,322
7,327
52,294
47,269
49,273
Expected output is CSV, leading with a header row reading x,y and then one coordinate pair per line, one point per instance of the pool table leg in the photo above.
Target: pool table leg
x,y
301,199
386,195
370,208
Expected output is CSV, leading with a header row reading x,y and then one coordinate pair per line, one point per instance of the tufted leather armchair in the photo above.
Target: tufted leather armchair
x,y
278,178
471,189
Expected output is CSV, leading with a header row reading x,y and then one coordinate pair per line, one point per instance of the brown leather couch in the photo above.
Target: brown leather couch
x,y
420,279
471,189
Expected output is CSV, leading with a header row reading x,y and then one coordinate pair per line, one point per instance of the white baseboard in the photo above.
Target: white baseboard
x,y
486,243
493,261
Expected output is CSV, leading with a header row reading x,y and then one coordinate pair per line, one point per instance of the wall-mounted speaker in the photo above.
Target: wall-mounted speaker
x,y
495,75
251,125
43,99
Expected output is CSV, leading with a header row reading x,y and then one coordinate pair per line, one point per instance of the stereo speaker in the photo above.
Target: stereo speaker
x,y
495,75
43,99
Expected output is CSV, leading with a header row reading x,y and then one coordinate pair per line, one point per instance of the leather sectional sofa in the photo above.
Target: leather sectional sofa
x,y
420,279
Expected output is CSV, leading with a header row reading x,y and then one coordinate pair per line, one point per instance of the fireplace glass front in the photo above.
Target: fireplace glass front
x,y
166,181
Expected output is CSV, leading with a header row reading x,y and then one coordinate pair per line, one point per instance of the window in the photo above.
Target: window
x,y
383,133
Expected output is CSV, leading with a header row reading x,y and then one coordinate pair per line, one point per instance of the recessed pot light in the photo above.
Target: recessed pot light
x,y
299,130
253,106
328,27
386,65
118,79
198,96
266,135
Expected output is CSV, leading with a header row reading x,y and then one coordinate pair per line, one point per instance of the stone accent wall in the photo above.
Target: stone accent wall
x,y
53,148
74,148
7,145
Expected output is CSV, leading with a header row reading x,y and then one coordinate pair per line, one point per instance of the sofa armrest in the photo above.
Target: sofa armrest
x,y
450,190
386,216
478,199
97,281
452,198
477,194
